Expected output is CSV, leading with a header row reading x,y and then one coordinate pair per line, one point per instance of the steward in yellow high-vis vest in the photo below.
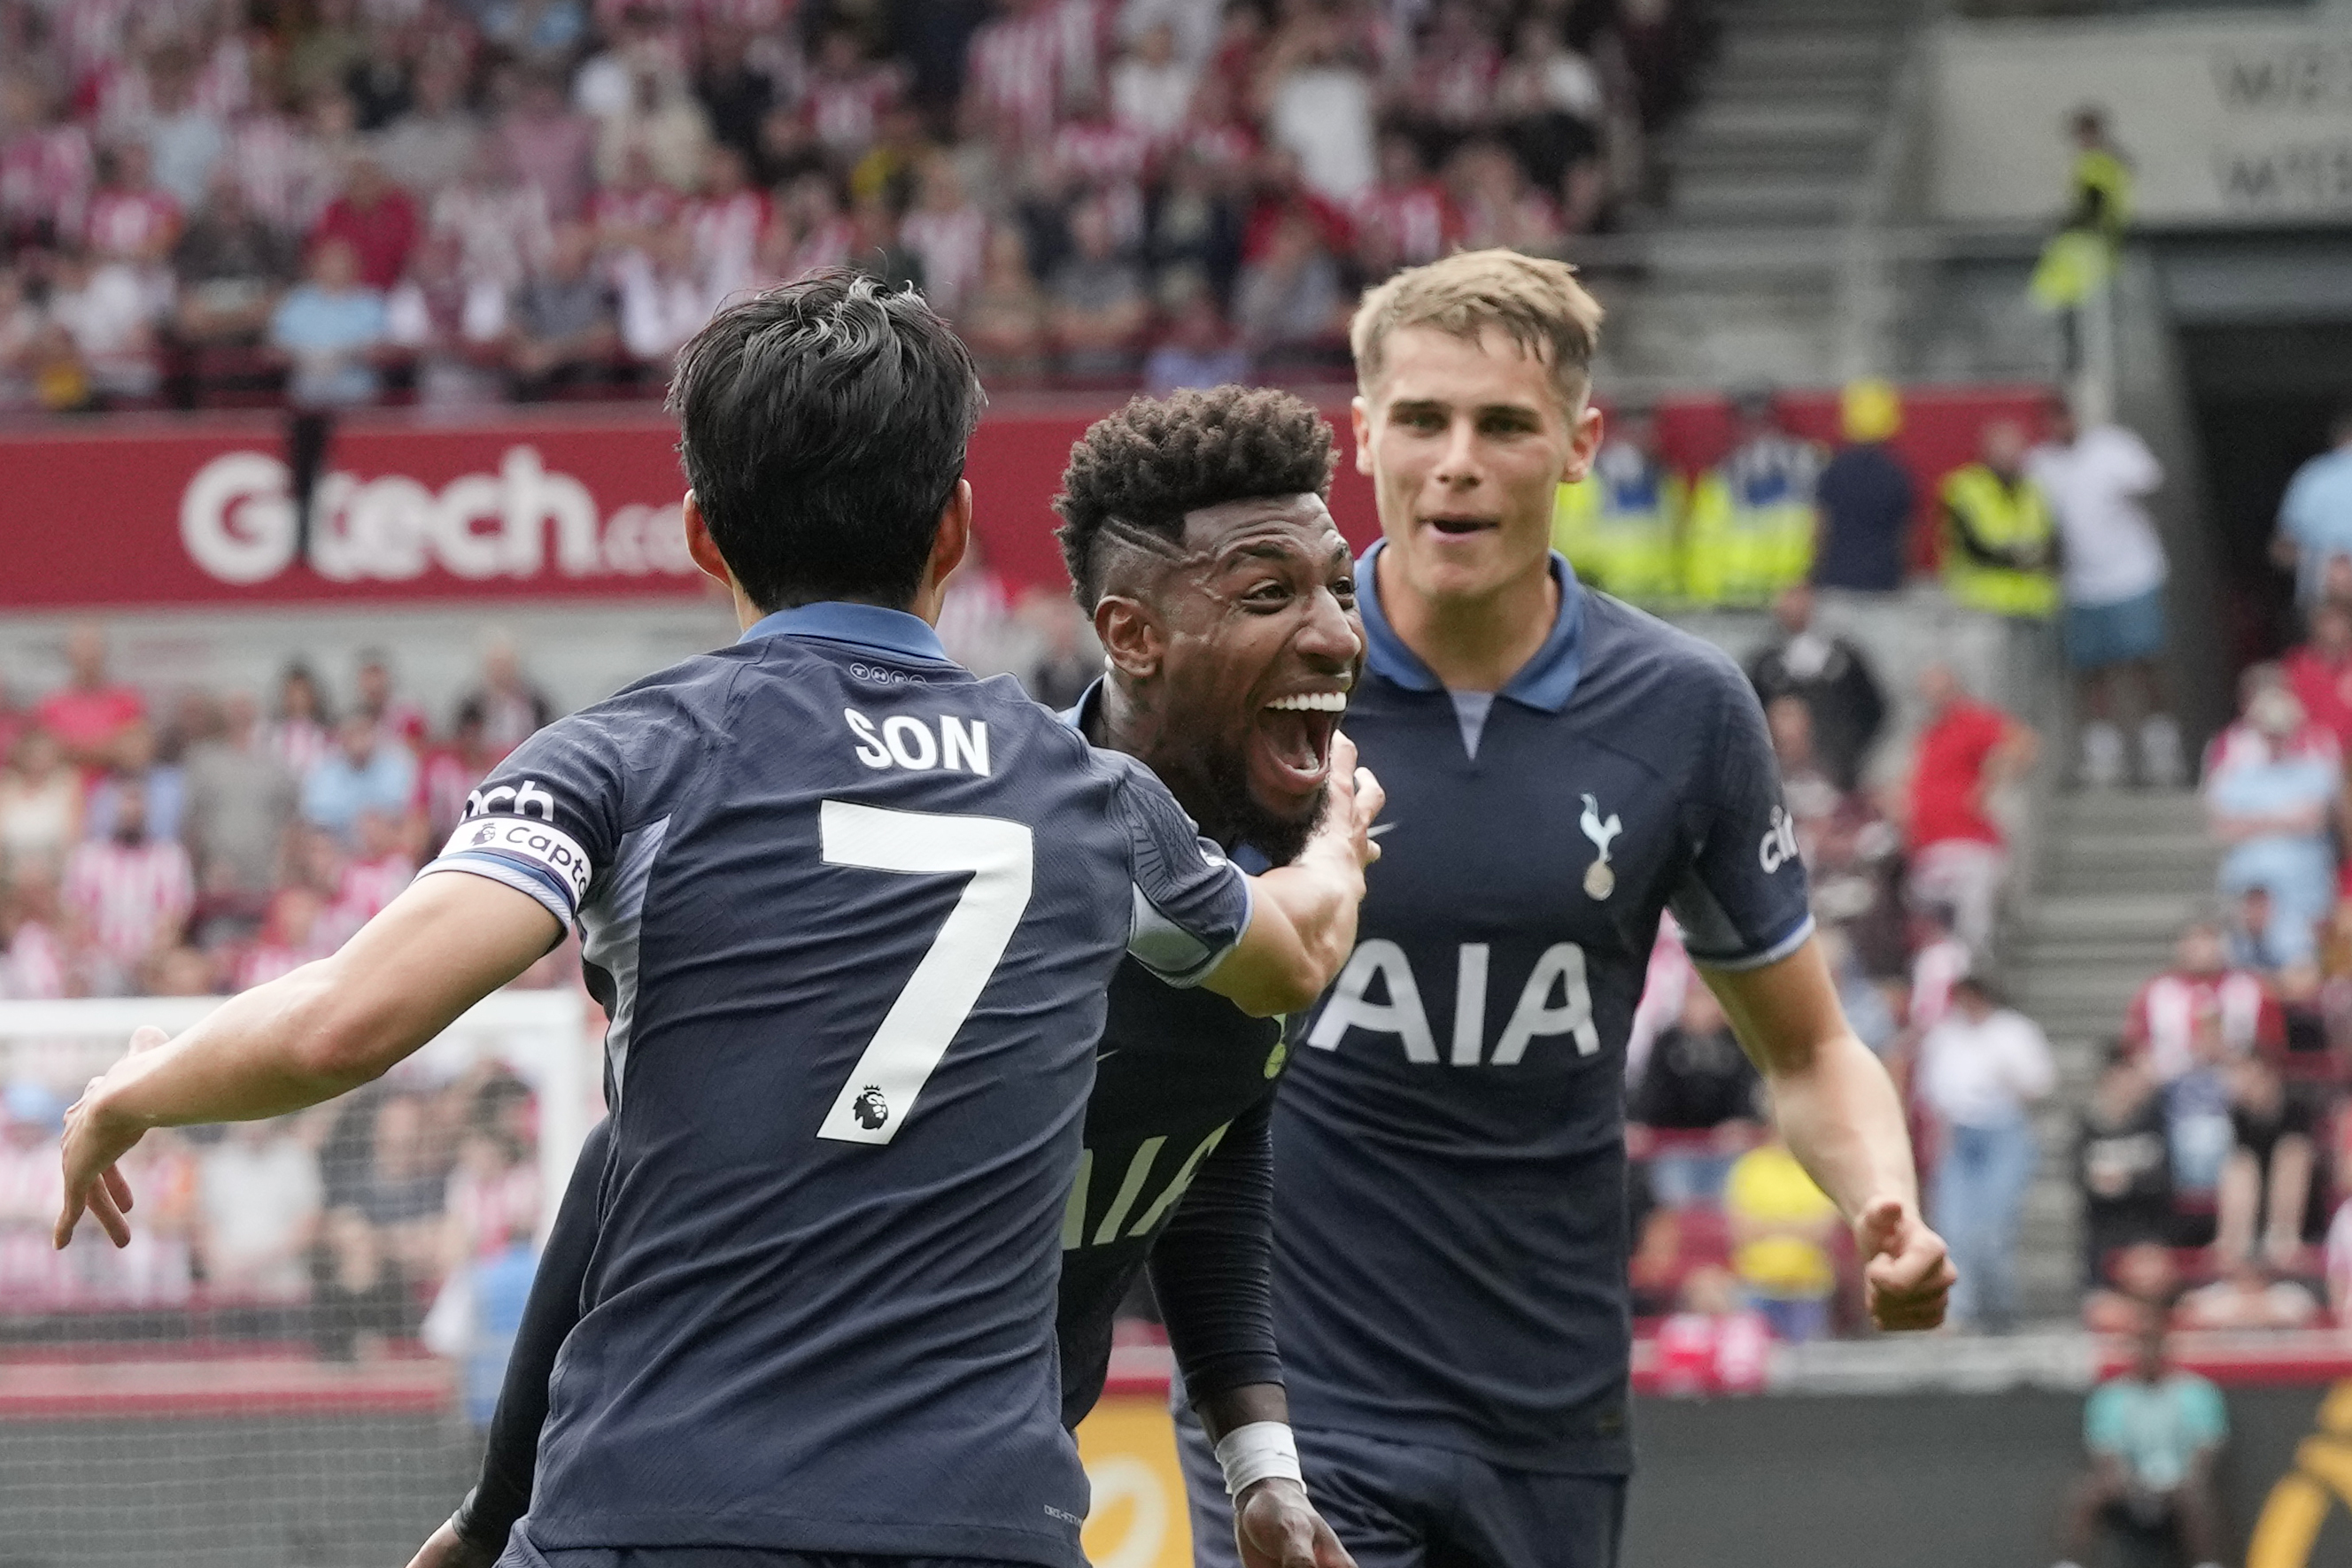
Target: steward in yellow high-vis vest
x,y
1751,519
1617,524
2001,540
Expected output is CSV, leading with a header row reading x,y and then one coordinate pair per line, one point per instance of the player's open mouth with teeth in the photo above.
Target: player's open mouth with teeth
x,y
1294,735
1455,526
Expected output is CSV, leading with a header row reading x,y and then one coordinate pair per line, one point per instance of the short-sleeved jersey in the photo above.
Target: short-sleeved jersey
x,y
1450,1214
852,914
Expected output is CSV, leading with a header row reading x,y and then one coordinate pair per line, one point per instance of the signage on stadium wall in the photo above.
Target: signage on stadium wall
x,y
2245,120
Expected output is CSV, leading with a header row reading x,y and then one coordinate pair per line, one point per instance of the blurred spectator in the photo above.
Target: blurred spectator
x,y
132,219
429,146
451,326
1069,658
1450,91
2154,1434
1781,1227
1699,1083
302,731
1288,302
1751,525
1711,1344
661,299
2198,1113
376,698
109,313
364,773
476,1317
1981,1069
1831,675
1866,496
2202,986
185,140
279,154
33,964
1851,853
1195,349
549,147
401,1193
663,124
1318,100
1151,85
2271,781
948,233
1617,526
1193,230
846,93
2266,1181
231,266
874,249
1019,67
1497,204
2315,521
240,797
87,716
494,1192
40,806
629,211
498,220
1099,308
137,760
735,92
2319,671
976,614
47,166
2097,480
292,934
564,324
512,710
1552,104
1965,753
257,1207
380,866
331,328
129,895
33,1273
2123,1167
359,1298
725,219
2338,1262
2247,1297
2001,541
375,218
1404,218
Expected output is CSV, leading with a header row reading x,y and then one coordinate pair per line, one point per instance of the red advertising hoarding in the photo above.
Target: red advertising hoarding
x,y
564,503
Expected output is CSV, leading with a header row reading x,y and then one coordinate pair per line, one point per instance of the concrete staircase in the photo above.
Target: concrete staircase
x,y
2120,874
1738,280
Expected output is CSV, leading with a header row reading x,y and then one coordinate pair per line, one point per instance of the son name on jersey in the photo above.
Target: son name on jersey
x,y
906,740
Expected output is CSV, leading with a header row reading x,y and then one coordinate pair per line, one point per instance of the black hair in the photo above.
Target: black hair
x,y
1158,458
824,425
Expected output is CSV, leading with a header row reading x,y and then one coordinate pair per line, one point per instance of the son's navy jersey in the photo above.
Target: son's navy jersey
x,y
1450,1215
852,914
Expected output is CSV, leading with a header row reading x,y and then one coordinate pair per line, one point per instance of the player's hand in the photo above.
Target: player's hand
x,y
1277,1527
1906,1265
1354,802
94,1139
448,1549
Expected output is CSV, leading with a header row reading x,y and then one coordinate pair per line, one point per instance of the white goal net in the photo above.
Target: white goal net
x,y
289,1364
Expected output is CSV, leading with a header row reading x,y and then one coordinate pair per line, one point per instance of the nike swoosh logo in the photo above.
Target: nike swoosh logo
x,y
1377,828
1106,1055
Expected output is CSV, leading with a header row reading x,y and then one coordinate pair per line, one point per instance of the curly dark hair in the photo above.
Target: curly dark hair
x,y
1158,458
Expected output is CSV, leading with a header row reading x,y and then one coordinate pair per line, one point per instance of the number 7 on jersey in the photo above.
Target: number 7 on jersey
x,y
941,992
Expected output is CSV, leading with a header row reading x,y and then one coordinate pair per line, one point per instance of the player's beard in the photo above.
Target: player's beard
x,y
1234,815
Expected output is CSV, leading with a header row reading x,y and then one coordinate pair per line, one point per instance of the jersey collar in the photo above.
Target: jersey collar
x,y
1545,682
870,625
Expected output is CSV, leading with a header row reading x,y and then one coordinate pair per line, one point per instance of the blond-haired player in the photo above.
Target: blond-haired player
x,y
1450,1206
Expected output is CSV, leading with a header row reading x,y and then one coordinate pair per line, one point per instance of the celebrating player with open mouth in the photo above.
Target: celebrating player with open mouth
x,y
853,914
1197,535
1450,1206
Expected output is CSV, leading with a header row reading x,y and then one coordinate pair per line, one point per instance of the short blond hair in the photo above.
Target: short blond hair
x,y
1536,301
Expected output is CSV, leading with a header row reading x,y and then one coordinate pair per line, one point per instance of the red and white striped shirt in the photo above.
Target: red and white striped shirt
x,y
619,214
286,179
842,111
2163,1020
1015,69
488,1206
131,226
1100,151
367,886
725,231
45,179
33,965
1412,225
131,898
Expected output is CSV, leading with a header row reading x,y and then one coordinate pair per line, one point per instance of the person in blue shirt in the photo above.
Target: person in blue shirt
x,y
330,328
853,914
1450,1218
2315,520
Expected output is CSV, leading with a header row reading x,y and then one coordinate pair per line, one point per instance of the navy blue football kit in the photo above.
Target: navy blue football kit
x,y
855,916
1450,1222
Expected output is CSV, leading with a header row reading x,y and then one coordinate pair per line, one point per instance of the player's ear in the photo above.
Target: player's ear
x,y
954,537
702,547
1132,637
1583,444
1359,423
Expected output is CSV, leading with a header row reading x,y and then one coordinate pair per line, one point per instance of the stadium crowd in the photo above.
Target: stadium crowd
x,y
336,203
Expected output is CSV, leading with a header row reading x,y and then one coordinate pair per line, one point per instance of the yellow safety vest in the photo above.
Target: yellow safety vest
x,y
2007,518
1748,540
1616,526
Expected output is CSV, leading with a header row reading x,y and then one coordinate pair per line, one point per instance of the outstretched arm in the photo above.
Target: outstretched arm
x,y
1837,1111
1303,925
442,945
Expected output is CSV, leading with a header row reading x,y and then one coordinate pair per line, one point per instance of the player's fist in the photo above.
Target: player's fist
x,y
1277,1527
1906,1266
448,1549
